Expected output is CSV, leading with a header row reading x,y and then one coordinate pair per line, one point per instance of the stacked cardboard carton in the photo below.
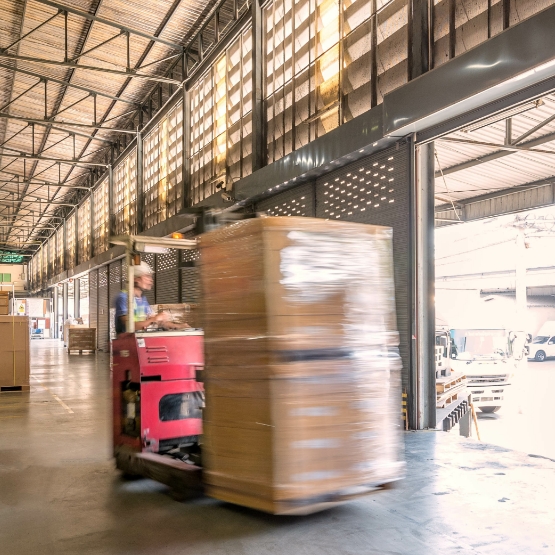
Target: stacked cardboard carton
x,y
302,371
4,303
14,351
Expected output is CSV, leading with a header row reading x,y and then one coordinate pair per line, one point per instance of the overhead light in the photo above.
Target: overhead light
x,y
504,115
142,247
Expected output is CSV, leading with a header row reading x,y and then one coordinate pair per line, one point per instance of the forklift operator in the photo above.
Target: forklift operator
x,y
143,313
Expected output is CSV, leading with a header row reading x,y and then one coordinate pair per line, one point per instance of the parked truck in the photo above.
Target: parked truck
x,y
488,357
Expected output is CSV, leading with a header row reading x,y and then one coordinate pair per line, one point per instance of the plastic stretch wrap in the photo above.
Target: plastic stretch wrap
x,y
303,398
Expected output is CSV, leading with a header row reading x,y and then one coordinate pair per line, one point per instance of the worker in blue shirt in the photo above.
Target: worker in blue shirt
x,y
144,316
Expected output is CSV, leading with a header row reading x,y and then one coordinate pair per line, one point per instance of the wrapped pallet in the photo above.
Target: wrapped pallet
x,y
302,372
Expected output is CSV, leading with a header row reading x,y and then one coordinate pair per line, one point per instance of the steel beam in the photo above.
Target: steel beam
x,y
42,226
33,213
73,65
53,127
533,130
43,183
52,123
507,146
123,28
200,67
45,79
68,162
62,185
496,193
30,32
495,155
30,201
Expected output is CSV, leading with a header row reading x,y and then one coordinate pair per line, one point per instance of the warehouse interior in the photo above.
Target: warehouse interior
x,y
222,143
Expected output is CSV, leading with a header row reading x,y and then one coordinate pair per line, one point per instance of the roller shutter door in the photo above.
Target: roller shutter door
x,y
190,277
167,277
113,291
374,190
123,275
103,310
93,300
299,201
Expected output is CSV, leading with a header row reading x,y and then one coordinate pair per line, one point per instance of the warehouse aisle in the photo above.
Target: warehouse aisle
x,y
60,494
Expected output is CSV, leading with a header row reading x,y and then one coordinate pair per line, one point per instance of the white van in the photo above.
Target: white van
x,y
542,347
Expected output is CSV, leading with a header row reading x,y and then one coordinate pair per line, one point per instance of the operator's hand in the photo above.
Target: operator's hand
x,y
162,317
175,326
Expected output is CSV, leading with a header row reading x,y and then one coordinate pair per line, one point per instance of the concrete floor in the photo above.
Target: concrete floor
x,y
60,494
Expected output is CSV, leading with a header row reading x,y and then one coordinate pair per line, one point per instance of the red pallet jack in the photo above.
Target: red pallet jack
x,y
158,395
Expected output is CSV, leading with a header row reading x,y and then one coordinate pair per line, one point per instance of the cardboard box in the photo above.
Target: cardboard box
x,y
14,351
68,327
302,377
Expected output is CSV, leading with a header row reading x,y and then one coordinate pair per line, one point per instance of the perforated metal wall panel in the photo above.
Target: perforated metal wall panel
x,y
93,300
299,201
103,310
167,277
150,259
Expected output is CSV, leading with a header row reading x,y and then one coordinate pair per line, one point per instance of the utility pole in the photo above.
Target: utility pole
x,y
520,279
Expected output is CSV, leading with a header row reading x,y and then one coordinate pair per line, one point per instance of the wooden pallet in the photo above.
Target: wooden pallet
x,y
451,395
449,382
80,351
14,388
297,507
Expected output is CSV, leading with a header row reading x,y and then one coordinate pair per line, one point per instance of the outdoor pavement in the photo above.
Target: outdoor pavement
x,y
527,421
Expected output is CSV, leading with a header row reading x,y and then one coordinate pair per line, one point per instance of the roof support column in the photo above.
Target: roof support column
x,y
65,265
258,127
423,355
65,307
419,38
111,195
77,298
55,325
140,212
186,199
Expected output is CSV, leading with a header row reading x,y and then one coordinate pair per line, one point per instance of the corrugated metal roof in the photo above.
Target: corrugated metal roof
x,y
472,170
173,20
